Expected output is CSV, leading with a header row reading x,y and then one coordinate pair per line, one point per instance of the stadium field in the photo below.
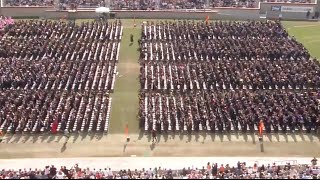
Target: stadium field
x,y
124,110
308,33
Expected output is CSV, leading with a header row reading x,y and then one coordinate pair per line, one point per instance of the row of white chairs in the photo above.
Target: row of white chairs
x,y
169,51
72,38
190,30
191,108
82,75
189,77
73,112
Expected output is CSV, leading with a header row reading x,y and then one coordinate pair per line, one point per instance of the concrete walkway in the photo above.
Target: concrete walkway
x,y
114,145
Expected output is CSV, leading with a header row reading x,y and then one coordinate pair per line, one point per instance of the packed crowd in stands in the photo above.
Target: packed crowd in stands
x,y
149,4
182,4
75,4
27,3
57,75
209,171
226,76
290,1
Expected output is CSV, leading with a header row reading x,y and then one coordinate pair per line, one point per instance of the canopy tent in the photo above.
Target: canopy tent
x,y
102,10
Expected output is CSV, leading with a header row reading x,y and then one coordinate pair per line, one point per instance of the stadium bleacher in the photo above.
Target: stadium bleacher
x,y
149,5
240,170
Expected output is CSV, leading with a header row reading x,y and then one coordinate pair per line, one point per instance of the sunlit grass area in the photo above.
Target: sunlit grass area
x,y
308,33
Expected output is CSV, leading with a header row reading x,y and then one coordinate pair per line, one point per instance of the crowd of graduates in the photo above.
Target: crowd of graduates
x,y
57,75
226,76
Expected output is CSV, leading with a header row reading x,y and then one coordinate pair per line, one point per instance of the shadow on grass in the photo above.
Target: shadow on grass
x,y
189,137
310,136
173,135
204,136
269,136
165,136
44,138
76,136
229,136
149,137
83,135
221,137
245,137
64,147
302,136
99,136
35,138
293,135
158,137
213,137
59,138
92,135
152,146
16,138
197,136
140,134
236,133
277,137
253,136
261,147
51,138
286,137
125,147
181,135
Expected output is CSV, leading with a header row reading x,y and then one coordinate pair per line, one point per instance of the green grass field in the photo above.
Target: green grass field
x,y
124,109
307,33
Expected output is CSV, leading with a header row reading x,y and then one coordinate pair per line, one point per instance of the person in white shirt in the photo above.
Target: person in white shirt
x,y
109,173
60,175
92,177
150,172
47,171
105,172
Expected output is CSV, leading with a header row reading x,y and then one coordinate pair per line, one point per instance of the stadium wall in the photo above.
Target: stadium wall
x,y
225,13
217,13
20,12
268,8
49,12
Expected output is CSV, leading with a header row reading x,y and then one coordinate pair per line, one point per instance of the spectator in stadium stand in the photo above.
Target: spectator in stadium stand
x,y
316,15
308,14
314,161
30,2
242,171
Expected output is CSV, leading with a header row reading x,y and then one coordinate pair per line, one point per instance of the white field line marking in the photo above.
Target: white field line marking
x,y
306,26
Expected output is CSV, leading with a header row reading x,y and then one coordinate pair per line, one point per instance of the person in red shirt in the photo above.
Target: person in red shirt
x,y
98,176
221,170
261,127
